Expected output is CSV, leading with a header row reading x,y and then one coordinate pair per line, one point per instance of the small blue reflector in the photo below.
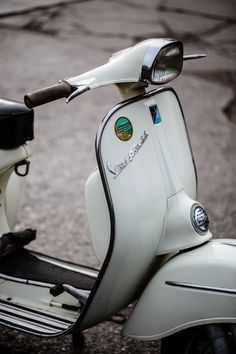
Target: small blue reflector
x,y
156,117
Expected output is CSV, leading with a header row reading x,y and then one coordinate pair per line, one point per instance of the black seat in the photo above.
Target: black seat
x,y
16,124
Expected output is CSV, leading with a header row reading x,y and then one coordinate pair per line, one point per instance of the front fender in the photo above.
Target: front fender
x,y
193,288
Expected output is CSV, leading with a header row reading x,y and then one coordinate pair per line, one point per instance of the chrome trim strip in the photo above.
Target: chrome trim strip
x,y
32,321
201,287
92,273
29,323
36,312
8,324
25,281
30,314
151,56
228,244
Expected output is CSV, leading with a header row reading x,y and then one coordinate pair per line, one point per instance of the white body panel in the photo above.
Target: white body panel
x,y
10,157
141,177
98,214
8,199
193,288
123,67
12,199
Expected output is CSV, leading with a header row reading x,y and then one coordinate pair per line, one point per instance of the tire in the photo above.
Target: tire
x,y
78,341
209,339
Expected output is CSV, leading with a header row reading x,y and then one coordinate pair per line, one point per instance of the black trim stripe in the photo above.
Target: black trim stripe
x,y
201,287
228,244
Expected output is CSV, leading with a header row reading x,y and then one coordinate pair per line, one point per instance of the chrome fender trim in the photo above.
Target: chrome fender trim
x,y
201,287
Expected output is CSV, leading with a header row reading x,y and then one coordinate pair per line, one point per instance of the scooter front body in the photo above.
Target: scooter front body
x,y
147,172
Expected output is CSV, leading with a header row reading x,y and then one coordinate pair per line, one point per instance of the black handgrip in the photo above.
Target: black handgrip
x,y
48,94
17,239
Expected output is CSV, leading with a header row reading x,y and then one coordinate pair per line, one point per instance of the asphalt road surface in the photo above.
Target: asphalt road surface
x,y
44,41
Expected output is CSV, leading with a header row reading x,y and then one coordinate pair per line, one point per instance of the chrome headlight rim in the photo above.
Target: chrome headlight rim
x,y
152,56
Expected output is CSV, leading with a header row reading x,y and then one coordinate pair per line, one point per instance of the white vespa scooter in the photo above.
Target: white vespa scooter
x,y
148,230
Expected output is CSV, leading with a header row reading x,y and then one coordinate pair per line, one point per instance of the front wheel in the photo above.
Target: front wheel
x,y
209,339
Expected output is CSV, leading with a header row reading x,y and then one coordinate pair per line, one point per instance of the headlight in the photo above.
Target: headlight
x,y
163,62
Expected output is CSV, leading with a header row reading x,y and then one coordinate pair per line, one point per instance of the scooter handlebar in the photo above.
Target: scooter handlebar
x,y
48,94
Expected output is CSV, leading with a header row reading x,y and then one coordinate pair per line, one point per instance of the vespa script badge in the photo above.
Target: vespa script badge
x,y
117,168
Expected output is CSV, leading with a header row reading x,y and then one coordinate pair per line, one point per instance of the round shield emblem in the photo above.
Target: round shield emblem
x,y
123,129
200,219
